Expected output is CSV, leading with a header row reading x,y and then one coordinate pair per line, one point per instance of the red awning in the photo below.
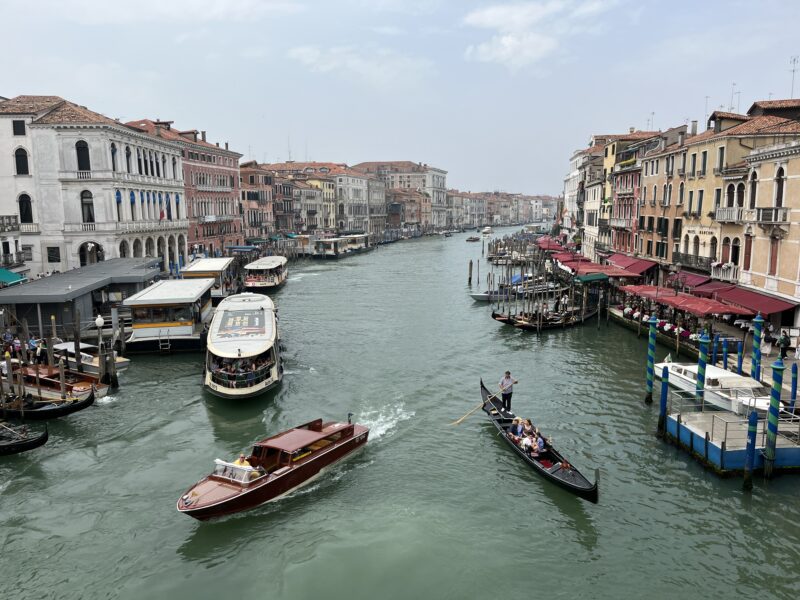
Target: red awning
x,y
689,280
755,301
708,290
640,265
621,260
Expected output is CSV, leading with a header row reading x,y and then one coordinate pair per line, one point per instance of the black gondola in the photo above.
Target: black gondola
x,y
550,464
41,411
564,320
17,441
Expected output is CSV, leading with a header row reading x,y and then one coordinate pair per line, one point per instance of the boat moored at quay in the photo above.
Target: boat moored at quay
x,y
346,245
222,270
90,361
265,274
243,347
170,316
276,466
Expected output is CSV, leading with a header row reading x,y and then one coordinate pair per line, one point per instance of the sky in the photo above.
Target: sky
x,y
499,94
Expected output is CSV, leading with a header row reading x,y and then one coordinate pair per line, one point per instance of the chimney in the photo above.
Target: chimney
x,y
226,145
681,137
217,144
631,129
694,128
203,134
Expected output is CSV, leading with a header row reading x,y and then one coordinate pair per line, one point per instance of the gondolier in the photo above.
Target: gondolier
x,y
507,387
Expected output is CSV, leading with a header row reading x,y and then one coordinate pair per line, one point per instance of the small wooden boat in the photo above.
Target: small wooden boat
x,y
37,410
78,385
16,439
90,361
473,238
277,465
550,464
507,319
551,321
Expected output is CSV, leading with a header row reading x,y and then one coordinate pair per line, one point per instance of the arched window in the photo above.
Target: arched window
x,y
177,206
163,166
158,166
21,159
726,250
686,244
735,251
680,193
174,168
133,206
128,159
139,160
644,194
669,194
146,164
696,246
740,195
82,153
87,206
654,199
664,194
25,209
729,195
753,189
712,248
152,163
113,157
748,250
779,179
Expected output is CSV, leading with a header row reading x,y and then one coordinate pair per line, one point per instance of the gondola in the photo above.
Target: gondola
x,y
21,442
550,463
40,411
565,320
503,318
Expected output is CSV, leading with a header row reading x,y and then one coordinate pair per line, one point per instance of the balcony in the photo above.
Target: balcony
x,y
725,273
15,259
728,214
213,188
216,218
9,223
29,228
701,263
772,216
620,223
127,226
681,172
602,224
624,190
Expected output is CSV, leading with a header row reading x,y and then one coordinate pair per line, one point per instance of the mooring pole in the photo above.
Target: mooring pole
x,y
662,408
794,388
755,364
750,450
772,419
714,349
725,354
469,276
651,359
739,357
702,359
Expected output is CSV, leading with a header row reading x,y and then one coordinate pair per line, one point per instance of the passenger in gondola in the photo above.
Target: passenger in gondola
x,y
516,429
526,443
527,427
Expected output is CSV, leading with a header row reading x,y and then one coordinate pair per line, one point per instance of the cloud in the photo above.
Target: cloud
x,y
105,12
527,32
390,30
377,67
405,7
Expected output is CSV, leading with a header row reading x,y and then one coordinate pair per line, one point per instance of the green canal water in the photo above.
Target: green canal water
x,y
427,510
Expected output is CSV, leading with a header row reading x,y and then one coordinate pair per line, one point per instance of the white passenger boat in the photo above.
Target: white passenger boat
x,y
90,361
487,230
265,274
333,248
170,316
723,389
221,270
243,355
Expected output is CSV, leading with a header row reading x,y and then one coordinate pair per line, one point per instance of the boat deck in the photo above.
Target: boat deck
x,y
730,428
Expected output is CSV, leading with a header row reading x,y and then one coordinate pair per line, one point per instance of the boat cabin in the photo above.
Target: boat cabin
x,y
222,270
280,453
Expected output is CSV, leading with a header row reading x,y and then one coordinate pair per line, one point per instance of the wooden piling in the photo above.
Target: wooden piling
x,y
469,276
76,330
62,378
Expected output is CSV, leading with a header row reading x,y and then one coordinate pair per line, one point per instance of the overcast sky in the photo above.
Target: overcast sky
x,y
498,94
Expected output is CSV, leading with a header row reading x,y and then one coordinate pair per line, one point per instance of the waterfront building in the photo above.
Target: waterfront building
x,y
256,185
410,175
286,212
571,183
327,219
309,199
408,208
211,180
376,191
87,188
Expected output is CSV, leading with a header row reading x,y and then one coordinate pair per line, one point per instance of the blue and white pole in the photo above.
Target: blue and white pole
x,y
651,359
750,450
662,409
739,357
772,419
755,366
725,354
794,388
702,359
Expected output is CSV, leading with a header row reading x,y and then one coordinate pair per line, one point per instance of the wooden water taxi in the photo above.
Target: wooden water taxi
x,y
243,347
265,274
276,466
170,316
548,463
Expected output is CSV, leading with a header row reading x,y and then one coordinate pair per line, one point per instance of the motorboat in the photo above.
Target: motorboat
x,y
90,361
276,466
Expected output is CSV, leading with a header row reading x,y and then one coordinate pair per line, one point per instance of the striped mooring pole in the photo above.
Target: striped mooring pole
x,y
714,345
702,359
651,359
772,419
750,450
725,354
739,357
793,397
755,365
662,408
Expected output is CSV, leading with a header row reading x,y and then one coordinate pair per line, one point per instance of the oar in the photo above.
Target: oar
x,y
14,431
458,421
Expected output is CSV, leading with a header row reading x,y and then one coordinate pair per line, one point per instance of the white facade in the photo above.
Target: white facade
x,y
352,200
90,196
571,193
377,207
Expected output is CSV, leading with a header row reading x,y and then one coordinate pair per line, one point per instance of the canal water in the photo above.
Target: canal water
x,y
427,510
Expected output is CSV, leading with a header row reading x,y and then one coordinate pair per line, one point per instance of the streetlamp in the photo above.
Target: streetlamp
x,y
99,322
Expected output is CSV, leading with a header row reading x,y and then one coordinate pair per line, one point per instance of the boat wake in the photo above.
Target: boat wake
x,y
106,400
384,421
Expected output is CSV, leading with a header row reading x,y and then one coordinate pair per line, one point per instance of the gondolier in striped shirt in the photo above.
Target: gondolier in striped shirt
x,y
507,388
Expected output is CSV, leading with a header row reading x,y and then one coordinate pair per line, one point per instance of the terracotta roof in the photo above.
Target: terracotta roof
x,y
171,134
67,112
719,114
790,103
28,104
638,135
299,167
394,166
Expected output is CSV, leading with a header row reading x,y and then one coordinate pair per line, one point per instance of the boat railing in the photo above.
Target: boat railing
x,y
242,380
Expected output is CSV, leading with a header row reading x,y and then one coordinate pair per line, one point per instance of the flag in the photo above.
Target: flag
x,y
161,215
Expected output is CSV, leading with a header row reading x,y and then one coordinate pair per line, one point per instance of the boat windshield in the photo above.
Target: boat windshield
x,y
235,472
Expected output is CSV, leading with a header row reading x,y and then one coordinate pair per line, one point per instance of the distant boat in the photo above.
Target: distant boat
x,y
277,465
265,274
473,238
487,230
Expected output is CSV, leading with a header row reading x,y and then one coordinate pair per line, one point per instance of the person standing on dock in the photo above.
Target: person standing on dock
x,y
783,343
507,388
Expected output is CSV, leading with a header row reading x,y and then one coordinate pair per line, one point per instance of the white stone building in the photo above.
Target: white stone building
x,y
376,189
93,188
